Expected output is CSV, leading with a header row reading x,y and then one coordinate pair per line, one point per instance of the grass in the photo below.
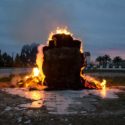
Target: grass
x,y
114,81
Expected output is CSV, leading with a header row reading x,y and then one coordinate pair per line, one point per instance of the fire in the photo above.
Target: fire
x,y
36,71
103,91
92,83
39,61
36,78
103,84
60,31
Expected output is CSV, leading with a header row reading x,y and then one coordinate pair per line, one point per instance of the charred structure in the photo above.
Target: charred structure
x,y
59,66
62,63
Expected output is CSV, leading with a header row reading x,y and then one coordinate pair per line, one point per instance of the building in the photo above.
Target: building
x,y
122,64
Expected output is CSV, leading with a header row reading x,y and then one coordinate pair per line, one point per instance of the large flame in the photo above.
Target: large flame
x,y
93,83
39,61
59,31
38,76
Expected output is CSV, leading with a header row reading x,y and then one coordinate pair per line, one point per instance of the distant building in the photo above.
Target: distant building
x,y
122,64
87,58
113,66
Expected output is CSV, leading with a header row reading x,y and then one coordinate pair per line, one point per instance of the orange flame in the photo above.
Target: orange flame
x,y
39,61
36,71
60,31
38,74
36,78
93,83
103,84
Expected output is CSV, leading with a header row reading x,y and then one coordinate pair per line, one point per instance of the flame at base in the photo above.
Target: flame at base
x,y
37,78
93,83
32,81
103,91
39,61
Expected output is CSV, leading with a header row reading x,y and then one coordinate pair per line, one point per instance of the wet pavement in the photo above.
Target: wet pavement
x,y
64,102
24,107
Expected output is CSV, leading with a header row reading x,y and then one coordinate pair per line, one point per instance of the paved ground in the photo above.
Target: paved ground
x,y
86,107
20,106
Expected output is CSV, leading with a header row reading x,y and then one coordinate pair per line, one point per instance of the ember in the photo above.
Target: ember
x,y
60,65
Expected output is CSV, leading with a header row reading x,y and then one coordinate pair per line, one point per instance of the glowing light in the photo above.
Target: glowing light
x,y
36,79
34,95
39,61
36,104
36,71
103,91
60,31
26,77
93,83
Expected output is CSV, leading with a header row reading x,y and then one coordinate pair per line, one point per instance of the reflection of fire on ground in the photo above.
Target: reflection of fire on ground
x,y
38,79
64,102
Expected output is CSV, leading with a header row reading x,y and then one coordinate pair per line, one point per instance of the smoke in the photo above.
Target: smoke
x,y
100,23
38,19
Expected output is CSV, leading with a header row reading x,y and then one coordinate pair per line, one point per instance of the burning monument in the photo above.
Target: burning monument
x,y
60,65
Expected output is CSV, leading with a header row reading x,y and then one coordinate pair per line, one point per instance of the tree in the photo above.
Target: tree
x,y
117,60
28,54
7,60
106,59
99,60
17,61
1,60
34,51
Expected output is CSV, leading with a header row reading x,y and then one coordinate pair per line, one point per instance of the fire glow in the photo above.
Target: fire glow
x,y
59,31
36,71
36,79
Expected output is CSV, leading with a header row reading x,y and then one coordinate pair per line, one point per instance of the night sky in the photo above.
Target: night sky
x,y
99,23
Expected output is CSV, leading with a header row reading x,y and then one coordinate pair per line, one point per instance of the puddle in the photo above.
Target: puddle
x,y
63,102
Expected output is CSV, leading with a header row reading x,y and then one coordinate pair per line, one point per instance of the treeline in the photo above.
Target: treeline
x,y
106,59
26,58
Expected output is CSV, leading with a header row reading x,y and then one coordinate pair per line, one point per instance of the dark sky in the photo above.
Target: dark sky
x,y
99,23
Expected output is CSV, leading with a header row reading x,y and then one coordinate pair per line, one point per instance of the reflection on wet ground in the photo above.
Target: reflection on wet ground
x,y
63,102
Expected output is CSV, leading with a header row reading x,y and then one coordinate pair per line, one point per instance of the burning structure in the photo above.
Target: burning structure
x,y
60,65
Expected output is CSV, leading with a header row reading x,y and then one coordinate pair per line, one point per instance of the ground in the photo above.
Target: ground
x,y
75,108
